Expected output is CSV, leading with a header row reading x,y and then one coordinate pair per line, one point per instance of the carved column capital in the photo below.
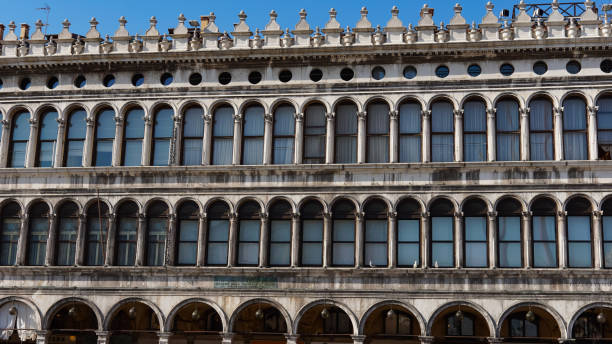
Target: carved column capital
x,y
392,215
207,118
33,122
177,118
119,120
593,110
558,111
268,118
5,123
238,118
561,213
597,214
147,120
299,116
458,112
60,122
90,121
524,111
393,115
295,216
492,214
526,214
330,116
426,113
141,217
491,112
362,115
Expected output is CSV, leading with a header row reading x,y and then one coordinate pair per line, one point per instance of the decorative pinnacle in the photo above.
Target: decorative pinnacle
x,y
489,6
458,8
302,14
39,24
212,17
122,21
66,23
153,21
181,18
242,16
332,13
93,22
273,14
364,11
394,11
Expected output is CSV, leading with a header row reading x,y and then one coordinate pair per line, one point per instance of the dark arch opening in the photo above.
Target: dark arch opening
x,y
325,323
530,323
460,324
196,321
74,322
593,325
260,321
134,322
392,322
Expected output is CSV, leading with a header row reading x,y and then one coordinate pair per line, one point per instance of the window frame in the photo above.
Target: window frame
x,y
97,140
418,134
502,214
370,136
311,217
482,214
312,159
179,227
467,134
376,216
216,138
40,141
550,132
214,216
13,244
340,215
248,217
353,136
515,133
584,132
601,102
286,217
39,259
127,140
121,217
13,141
441,214
544,213
71,243
568,241
104,217
520,316
68,140
157,141
451,133
243,157
276,137
155,242
185,137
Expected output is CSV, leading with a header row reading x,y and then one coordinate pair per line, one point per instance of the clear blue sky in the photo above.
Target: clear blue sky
x,y
138,12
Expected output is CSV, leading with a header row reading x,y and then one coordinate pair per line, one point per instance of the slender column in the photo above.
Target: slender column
x,y
327,228
393,136
330,137
227,338
458,134
491,147
524,138
79,252
59,143
42,336
562,239
147,140
493,340
164,337
176,145
426,144
22,243
202,234
237,145
4,143
592,132
207,140
527,246
267,148
392,239
32,143
140,240
171,241
110,240
103,337
264,240
361,137
359,245
118,142
597,239
458,239
558,132
425,254
492,218
50,252
89,142
299,138
233,234
296,234
426,339
358,339
292,338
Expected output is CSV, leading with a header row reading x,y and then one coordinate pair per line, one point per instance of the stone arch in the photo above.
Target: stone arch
x,y
97,108
542,94
557,202
479,197
556,316
413,311
39,200
588,101
182,201
250,101
278,306
61,303
168,324
131,105
155,199
162,103
413,197
602,201
314,100
29,303
282,101
579,312
347,197
512,196
473,96
222,102
442,97
17,108
342,306
184,105
509,95
210,201
448,198
303,201
71,108
604,93
373,198
243,200
483,312
128,199
347,99
94,200
42,108
109,315
581,195
63,201
380,98
280,198
409,98
13,200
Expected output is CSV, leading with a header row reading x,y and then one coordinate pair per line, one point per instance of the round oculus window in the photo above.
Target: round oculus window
x,y
254,77
225,78
316,75
108,80
442,71
410,72
378,73
506,69
25,83
540,68
195,79
80,81
137,80
573,67
474,70
346,74
52,83
606,66
285,75
166,79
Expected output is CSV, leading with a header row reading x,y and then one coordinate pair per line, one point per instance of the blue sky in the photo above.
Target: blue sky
x,y
138,12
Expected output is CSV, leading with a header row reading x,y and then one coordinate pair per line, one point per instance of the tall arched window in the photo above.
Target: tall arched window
x,y
458,327
188,229
47,138
314,134
280,234
133,136
253,135
193,133
67,229
105,135
509,234
574,129
76,130
442,130
607,232
157,230
343,233
410,132
223,135
217,234
442,233
20,133
475,245
541,144
377,145
579,236
409,233
508,132
474,131
376,233
311,214
544,233
604,128
11,225
249,228
163,126
38,233
346,134
127,232
284,135
97,232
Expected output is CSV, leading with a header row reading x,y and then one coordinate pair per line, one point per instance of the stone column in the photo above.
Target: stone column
x,y
4,143
491,142
118,141
32,143
358,339
558,132
298,145
458,134
292,338
171,240
202,234
597,239
264,240
207,140
22,241
361,137
176,145
147,141
42,336
58,159
426,135
561,239
327,229
79,252
227,338
233,235
140,240
359,237
527,246
237,144
51,241
110,240
103,337
267,148
426,339
524,138
89,142
458,239
392,240
393,136
296,234
592,132
425,240
493,340
492,231
330,137
164,337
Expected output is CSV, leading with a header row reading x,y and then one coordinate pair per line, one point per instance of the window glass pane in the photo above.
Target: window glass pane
x,y
344,230
18,156
67,235
37,241
408,230
48,126
280,230
223,124
193,123
410,118
607,228
188,230
579,254
510,255
254,121
579,228
544,228
21,126
126,237
475,228
222,151
133,153
314,120
74,153
407,254
509,228
10,235
442,228
376,230
134,124
410,149
508,147
608,254
77,127
476,254
216,254
283,150
156,247
474,117
161,151
187,253
248,253
442,117
104,153
312,230
280,253
378,149
192,151
574,114
343,254
95,240
284,121
164,124
376,254
188,242
46,154
541,146
544,254
378,118
475,147
346,119
540,115
252,151
312,254
442,147
346,149
218,230
249,230
575,145
105,127
442,254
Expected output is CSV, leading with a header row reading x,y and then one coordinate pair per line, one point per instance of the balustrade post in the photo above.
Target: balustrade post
x,y
562,239
425,240
459,261
392,240
597,239
327,229
233,234
492,218
264,240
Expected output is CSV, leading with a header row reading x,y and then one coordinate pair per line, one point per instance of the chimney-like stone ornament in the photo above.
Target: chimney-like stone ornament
x,y
225,42
555,22
256,41
242,33
180,35
211,34
348,37
64,39
92,38
332,29
589,21
37,40
363,29
272,32
195,43
107,45
606,29
572,30
378,38
302,31
474,33
136,44
165,43
151,38
539,32
442,34
458,26
121,39
522,24
506,33
10,41
395,29
287,40
411,35
489,26
426,27
317,38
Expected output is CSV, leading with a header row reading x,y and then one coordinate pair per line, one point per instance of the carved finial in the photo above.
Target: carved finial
x,y
302,25
181,18
302,14
242,16
66,23
122,31
272,25
65,34
457,8
332,23
242,25
332,14
180,28
93,31
364,23
38,35
395,22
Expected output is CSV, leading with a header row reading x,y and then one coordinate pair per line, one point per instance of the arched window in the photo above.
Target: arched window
x,y
193,133
463,326
604,128
376,233
67,229
346,134
474,131
508,132
544,233
284,134
343,233
218,233
409,233
157,230
314,134
162,135
475,245
127,232
249,228
607,232
442,233
20,133
38,233
311,214
574,129
280,234
11,225
188,229
105,135
520,326
579,236
97,232
442,129
410,132
509,234
47,137
133,136
377,145
76,130
223,136
541,145
253,135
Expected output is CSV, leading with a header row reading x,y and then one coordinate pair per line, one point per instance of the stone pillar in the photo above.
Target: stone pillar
x,y
491,142
207,140
524,138
267,148
59,143
329,137
426,339
110,240
558,132
492,231
359,238
233,235
118,141
458,239
237,144
493,340
597,239
327,229
264,240
22,241
89,142
361,137
202,234
292,338
51,241
458,134
164,337
299,139
426,137
425,254
393,136
140,240
527,246
561,239
227,338
103,337
32,143
4,143
79,252
296,234
592,132
176,143
392,240
147,141
171,240
42,336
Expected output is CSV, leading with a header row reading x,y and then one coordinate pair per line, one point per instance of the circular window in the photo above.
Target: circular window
x,y
442,71
137,80
1,83
166,79
347,74
25,83
506,69
285,75
573,67
52,83
80,81
225,78
254,77
606,66
378,73
195,79
316,75
474,70
540,68
108,80
410,72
